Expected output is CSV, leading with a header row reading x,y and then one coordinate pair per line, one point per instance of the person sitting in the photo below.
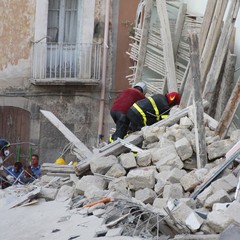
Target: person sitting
x,y
28,176
14,172
150,110
121,106
35,166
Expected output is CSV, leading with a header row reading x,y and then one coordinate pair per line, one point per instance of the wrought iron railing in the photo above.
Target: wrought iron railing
x,y
66,61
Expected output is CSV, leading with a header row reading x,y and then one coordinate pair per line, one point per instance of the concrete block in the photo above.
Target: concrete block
x,y
160,204
117,170
183,148
218,221
146,195
170,158
175,175
103,164
151,133
185,214
220,196
207,192
141,178
189,181
95,192
144,158
235,135
158,154
128,160
174,190
186,122
88,181
159,186
227,183
219,149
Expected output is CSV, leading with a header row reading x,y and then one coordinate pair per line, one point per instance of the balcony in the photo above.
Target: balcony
x,y
66,64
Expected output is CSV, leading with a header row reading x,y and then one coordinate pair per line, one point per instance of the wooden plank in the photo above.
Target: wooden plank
x,y
229,112
207,20
81,151
186,92
179,27
201,152
227,85
167,46
143,41
221,50
212,39
27,197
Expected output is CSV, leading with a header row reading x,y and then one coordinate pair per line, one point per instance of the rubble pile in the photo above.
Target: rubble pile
x,y
149,194
164,174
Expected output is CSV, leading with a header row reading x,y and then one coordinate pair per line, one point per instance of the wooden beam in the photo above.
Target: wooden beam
x,y
80,150
207,52
179,27
167,46
221,50
229,112
199,126
143,41
227,85
207,20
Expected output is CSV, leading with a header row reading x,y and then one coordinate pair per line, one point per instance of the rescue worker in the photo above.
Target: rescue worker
x,y
151,110
4,152
121,106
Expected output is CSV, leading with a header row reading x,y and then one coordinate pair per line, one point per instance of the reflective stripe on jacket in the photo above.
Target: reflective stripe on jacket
x,y
151,108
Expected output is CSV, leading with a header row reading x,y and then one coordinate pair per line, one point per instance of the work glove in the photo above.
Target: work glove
x,y
10,178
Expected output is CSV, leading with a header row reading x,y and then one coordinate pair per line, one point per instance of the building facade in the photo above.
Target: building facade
x,y
52,58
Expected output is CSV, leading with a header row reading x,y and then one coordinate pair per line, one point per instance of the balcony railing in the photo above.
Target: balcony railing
x,y
66,62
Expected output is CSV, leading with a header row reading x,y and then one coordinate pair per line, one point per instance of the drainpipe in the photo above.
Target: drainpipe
x,y
104,69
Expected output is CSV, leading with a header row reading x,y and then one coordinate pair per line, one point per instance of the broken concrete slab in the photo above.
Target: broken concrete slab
x,y
220,196
141,178
186,215
128,160
146,195
189,181
87,182
219,149
103,164
183,148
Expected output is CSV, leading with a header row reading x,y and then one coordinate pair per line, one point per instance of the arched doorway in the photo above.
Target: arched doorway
x,y
15,127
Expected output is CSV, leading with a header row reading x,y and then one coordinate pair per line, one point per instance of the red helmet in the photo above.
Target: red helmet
x,y
173,98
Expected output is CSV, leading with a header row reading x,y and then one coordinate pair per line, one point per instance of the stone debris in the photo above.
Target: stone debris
x,y
151,191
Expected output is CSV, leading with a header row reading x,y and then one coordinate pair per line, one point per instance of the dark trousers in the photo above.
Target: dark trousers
x,y
122,124
135,118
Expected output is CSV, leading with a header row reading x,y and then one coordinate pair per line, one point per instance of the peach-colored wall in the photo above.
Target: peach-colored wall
x,y
126,19
16,18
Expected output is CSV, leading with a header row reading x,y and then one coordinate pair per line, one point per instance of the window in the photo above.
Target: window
x,y
62,21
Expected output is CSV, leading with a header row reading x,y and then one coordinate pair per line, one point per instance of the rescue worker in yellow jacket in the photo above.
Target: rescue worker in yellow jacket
x,y
151,109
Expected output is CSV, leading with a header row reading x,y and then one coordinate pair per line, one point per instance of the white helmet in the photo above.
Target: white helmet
x,y
142,85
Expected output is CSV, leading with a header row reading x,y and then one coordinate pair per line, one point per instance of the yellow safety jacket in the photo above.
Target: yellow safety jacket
x,y
152,109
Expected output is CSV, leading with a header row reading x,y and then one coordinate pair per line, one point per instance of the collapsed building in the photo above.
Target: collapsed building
x,y
179,178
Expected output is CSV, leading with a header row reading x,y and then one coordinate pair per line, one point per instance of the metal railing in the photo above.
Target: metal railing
x,y
66,61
